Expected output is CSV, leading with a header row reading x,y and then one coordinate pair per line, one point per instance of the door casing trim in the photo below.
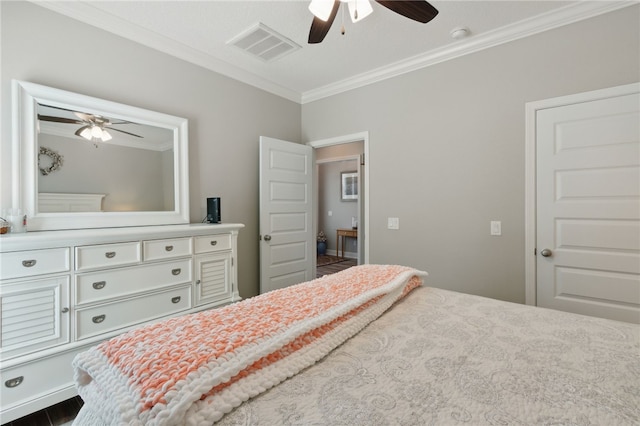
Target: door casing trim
x,y
354,137
530,212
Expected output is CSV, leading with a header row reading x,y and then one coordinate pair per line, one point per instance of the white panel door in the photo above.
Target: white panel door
x,y
588,207
287,243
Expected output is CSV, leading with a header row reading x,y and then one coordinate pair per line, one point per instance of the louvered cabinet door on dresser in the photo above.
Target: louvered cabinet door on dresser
x,y
34,294
34,319
62,292
213,265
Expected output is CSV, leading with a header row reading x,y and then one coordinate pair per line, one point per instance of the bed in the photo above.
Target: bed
x,y
401,354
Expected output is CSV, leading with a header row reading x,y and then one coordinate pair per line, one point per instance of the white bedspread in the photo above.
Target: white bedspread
x,y
444,358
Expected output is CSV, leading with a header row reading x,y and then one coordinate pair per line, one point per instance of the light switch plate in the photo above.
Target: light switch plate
x,y
393,223
496,227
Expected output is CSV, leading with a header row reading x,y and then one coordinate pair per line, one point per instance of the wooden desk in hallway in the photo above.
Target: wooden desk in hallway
x,y
341,234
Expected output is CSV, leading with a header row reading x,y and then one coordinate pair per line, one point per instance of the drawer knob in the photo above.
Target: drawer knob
x,y
175,299
98,319
65,310
99,285
12,383
176,271
168,248
110,254
214,242
28,263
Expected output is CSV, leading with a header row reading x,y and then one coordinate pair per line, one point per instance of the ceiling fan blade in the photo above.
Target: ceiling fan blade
x,y
122,131
85,117
320,28
58,119
418,10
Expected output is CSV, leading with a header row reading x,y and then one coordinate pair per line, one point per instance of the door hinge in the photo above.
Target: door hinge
x,y
362,159
535,251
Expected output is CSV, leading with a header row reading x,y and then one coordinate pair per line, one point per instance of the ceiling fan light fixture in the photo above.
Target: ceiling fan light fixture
x,y
321,9
359,9
106,136
86,133
96,132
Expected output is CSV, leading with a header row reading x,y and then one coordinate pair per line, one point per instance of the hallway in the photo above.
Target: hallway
x,y
332,264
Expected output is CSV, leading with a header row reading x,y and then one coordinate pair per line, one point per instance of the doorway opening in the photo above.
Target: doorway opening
x,y
332,268
337,205
341,200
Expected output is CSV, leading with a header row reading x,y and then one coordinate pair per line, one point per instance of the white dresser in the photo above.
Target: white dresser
x,y
64,291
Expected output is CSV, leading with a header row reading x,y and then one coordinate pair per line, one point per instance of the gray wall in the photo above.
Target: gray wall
x,y
446,142
226,117
447,147
131,178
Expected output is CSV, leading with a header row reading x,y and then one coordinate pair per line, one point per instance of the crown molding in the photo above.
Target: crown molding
x,y
548,21
85,12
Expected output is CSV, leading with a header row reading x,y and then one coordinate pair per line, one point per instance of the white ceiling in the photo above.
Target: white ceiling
x,y
382,45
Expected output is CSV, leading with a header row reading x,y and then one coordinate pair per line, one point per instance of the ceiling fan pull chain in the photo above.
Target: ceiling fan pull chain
x,y
342,31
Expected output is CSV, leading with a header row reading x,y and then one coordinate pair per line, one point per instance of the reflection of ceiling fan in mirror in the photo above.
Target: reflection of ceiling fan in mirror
x,y
93,127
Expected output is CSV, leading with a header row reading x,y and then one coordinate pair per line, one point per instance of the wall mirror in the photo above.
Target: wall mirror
x,y
86,162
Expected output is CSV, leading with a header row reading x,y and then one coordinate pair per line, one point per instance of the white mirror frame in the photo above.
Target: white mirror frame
x,y
25,99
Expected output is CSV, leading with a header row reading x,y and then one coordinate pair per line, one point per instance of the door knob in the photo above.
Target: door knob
x,y
546,252
267,237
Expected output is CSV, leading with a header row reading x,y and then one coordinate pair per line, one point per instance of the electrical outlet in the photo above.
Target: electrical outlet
x,y
393,223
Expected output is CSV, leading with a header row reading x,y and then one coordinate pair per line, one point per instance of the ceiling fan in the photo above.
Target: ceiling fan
x,y
93,126
325,12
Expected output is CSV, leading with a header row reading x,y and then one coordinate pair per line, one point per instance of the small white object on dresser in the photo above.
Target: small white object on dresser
x,y
64,291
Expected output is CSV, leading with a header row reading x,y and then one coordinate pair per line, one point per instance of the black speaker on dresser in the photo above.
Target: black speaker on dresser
x,y
213,210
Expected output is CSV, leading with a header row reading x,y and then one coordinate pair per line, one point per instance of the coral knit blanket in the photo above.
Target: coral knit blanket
x,y
195,368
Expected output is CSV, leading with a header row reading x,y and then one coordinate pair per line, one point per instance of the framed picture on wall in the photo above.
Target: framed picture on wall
x,y
349,186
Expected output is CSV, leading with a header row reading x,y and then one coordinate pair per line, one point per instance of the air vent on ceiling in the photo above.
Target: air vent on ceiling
x,y
264,43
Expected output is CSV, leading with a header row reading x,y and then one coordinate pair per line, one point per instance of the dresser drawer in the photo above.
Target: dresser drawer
x,y
166,249
107,255
36,379
212,243
116,315
18,264
102,285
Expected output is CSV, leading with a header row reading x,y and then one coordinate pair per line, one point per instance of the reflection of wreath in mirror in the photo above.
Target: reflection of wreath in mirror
x,y
56,160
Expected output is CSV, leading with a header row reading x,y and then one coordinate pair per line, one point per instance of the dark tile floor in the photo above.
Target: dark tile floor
x,y
335,267
66,411
55,415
